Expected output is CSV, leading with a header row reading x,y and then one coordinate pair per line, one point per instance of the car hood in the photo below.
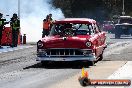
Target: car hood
x,y
66,42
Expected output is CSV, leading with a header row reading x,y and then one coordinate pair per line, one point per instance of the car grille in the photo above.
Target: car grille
x,y
64,52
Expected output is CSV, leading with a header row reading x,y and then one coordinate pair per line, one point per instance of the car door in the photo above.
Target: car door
x,y
99,35
102,35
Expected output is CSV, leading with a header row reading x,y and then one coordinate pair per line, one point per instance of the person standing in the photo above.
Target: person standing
x,y
2,23
15,25
50,17
51,20
46,27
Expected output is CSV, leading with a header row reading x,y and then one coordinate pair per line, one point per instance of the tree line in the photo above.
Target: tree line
x,y
96,9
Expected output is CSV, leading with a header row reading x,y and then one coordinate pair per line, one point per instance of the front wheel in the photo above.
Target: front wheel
x,y
118,32
131,32
44,63
100,57
117,36
91,63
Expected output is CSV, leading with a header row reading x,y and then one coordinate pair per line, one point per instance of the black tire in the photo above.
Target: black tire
x,y
91,63
88,63
44,63
117,32
117,36
100,57
131,32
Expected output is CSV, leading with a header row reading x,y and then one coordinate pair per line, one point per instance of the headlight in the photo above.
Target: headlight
x,y
40,44
88,44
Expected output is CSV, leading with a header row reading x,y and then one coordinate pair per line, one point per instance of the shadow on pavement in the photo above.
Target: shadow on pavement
x,y
106,60
60,65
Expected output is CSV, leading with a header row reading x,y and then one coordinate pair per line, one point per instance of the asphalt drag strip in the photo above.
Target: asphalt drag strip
x,y
101,70
7,52
8,48
25,72
125,72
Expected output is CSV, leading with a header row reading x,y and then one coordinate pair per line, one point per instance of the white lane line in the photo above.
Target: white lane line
x,y
125,72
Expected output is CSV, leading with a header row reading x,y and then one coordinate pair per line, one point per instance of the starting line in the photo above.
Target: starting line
x,y
9,49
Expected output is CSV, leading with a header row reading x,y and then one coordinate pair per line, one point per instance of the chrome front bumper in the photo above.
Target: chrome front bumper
x,y
85,58
65,55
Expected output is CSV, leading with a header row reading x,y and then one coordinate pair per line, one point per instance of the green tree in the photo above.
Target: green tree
x,y
96,9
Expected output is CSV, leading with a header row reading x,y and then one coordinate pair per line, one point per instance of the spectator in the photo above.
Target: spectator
x,y
15,25
2,23
46,27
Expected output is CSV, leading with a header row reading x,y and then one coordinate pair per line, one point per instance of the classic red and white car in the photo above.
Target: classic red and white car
x,y
72,39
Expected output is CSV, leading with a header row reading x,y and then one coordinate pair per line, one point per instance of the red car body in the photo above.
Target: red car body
x,y
72,39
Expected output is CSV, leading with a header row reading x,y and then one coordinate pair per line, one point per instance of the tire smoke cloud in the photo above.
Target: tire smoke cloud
x,y
32,13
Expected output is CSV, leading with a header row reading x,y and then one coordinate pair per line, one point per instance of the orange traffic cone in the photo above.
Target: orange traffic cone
x,y
84,73
84,80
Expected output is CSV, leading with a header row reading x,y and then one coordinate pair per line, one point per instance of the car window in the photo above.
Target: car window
x,y
127,20
81,32
96,28
71,29
91,29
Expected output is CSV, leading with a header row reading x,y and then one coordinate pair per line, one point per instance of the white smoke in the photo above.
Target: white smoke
x,y
32,14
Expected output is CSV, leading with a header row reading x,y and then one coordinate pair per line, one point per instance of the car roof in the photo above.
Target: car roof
x,y
75,20
125,17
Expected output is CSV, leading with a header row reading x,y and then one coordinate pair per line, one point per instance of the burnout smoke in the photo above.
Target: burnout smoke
x,y
32,14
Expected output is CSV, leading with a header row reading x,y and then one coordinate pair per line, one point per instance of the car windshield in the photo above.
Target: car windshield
x,y
127,20
70,29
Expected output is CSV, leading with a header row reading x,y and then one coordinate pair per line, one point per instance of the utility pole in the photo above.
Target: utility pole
x,y
123,8
19,9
